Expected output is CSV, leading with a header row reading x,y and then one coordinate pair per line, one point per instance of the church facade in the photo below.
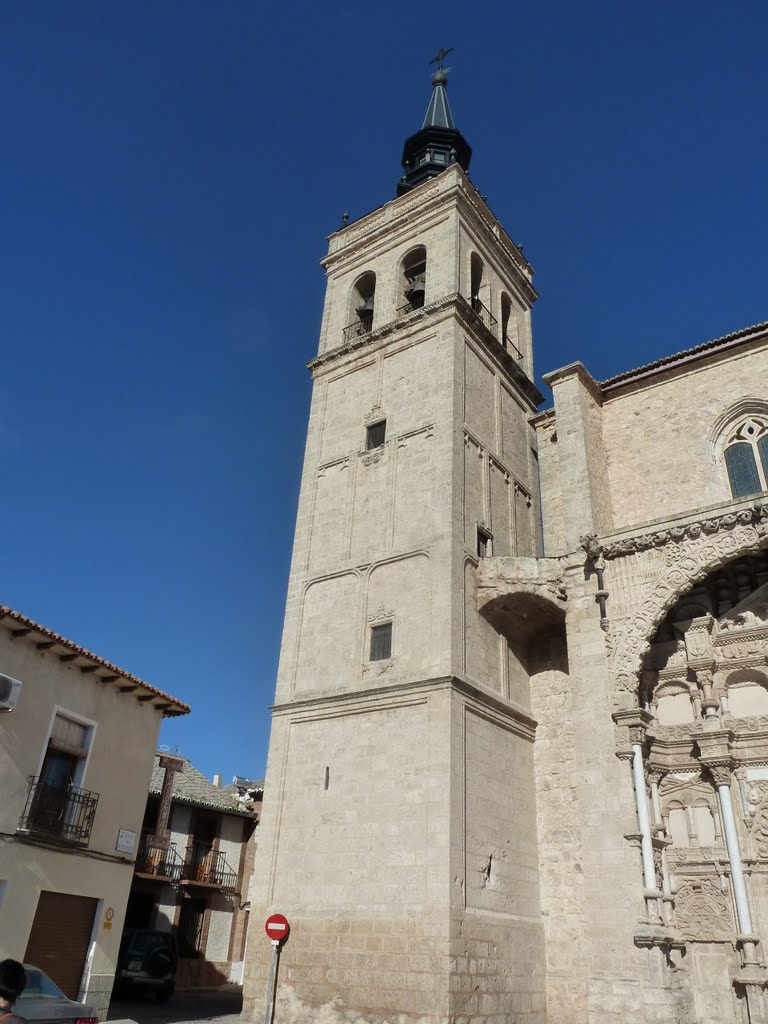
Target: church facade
x,y
518,768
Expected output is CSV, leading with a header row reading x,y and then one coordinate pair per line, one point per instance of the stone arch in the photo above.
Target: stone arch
x,y
688,563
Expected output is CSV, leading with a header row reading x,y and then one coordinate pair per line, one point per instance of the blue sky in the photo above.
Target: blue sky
x,y
170,171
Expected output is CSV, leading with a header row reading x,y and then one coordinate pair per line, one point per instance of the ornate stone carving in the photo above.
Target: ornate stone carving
x,y
721,773
757,516
381,614
758,824
372,457
702,911
696,562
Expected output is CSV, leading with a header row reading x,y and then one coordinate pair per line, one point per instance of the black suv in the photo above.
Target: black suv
x,y
147,963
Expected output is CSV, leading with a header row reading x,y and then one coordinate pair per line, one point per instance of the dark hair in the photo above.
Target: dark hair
x,y
13,980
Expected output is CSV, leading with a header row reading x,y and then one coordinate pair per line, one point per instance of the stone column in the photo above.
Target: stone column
x,y
721,774
636,722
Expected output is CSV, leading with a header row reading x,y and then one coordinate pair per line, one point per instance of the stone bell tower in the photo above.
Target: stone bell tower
x,y
399,829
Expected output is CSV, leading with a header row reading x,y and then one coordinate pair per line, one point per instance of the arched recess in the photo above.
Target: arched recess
x,y
715,606
413,278
745,534
744,692
533,626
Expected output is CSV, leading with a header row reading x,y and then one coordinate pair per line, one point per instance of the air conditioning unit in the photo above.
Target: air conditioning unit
x,y
9,692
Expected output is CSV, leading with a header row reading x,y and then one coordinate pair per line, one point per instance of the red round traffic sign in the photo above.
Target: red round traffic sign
x,y
276,926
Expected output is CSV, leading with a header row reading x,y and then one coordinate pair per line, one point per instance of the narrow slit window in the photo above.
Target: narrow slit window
x,y
483,542
376,435
381,642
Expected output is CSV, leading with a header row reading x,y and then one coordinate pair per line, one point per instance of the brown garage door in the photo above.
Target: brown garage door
x,y
60,936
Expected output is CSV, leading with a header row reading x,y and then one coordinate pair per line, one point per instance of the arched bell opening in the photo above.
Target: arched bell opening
x,y
413,279
475,281
363,302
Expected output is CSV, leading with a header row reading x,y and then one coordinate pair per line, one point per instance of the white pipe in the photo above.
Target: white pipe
x,y
641,799
734,856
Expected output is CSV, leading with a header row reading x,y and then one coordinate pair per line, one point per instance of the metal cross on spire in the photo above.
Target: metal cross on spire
x,y
442,54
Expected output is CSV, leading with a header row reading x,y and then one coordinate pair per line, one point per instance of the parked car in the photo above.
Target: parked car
x,y
147,964
42,1000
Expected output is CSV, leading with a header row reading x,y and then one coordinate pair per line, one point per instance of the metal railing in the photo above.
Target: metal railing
x,y
363,325
207,866
415,302
65,813
158,862
512,348
486,316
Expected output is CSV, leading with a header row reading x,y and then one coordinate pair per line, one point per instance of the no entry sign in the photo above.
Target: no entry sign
x,y
276,926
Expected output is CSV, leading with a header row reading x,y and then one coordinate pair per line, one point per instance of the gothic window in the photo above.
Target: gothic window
x,y
414,278
381,642
746,457
375,435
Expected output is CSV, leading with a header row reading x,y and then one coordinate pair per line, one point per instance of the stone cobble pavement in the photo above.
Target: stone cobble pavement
x,y
221,1007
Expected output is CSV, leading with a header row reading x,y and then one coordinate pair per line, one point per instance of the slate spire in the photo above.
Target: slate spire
x,y
438,144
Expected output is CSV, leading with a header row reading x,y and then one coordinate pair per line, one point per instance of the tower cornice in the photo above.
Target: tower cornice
x,y
346,242
459,306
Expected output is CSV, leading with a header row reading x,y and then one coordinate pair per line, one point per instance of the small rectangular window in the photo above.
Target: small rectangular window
x,y
376,434
483,542
381,642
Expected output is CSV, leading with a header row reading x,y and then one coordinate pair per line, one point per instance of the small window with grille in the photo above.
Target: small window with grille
x,y
381,642
376,434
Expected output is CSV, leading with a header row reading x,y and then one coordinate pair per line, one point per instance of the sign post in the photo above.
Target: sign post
x,y
277,928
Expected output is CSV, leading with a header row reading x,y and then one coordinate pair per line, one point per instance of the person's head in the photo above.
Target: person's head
x,y
13,981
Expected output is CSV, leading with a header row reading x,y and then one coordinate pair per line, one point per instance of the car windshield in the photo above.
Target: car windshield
x,y
145,942
40,986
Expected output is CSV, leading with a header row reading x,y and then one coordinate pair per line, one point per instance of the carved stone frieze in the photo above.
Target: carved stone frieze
x,y
381,614
678,535
702,911
372,457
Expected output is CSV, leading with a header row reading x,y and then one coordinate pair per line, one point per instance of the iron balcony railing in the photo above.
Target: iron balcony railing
x,y
65,813
165,864
512,348
363,325
206,866
416,301
485,315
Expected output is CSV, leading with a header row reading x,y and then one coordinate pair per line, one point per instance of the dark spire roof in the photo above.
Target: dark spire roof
x,y
438,113
438,144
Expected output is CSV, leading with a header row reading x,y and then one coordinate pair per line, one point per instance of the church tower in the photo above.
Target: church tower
x,y
399,833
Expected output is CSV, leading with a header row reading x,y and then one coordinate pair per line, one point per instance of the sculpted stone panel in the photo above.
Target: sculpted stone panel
x,y
702,911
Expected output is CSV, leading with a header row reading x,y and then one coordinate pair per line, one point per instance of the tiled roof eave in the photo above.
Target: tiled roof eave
x,y
190,802
168,705
669,362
